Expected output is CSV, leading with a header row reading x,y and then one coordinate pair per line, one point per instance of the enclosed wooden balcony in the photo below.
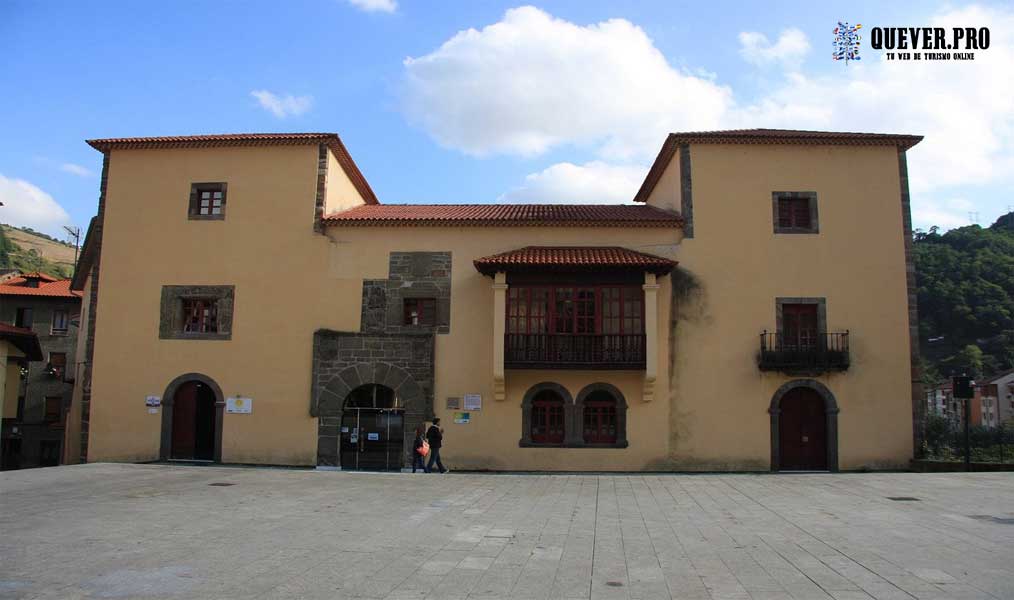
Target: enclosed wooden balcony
x,y
574,351
804,354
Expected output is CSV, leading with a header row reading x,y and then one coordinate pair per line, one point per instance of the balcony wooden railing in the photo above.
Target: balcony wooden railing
x,y
818,353
574,351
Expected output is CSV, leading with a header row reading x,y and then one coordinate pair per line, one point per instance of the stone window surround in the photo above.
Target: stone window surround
x,y
171,310
814,221
821,311
193,205
573,416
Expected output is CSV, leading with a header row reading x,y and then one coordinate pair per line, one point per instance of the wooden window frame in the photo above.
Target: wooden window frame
x,y
796,197
19,317
603,414
53,329
48,415
171,309
547,321
58,371
208,315
194,208
419,312
548,407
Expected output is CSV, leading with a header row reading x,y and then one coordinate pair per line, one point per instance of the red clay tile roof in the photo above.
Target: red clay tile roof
x,y
55,289
246,139
573,258
23,339
766,136
38,275
506,215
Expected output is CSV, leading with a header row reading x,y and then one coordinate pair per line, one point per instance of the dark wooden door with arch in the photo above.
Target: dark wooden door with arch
x,y
193,424
802,431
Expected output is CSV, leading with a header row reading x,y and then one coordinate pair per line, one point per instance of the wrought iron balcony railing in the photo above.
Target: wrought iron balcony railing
x,y
574,351
816,353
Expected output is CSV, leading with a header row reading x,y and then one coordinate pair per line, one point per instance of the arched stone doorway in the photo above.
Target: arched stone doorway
x,y
804,427
192,411
384,394
372,431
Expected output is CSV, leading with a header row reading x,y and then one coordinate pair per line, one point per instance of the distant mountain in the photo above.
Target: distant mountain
x,y
966,298
28,250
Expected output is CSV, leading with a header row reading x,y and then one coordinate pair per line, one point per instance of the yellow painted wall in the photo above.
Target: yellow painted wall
x,y
265,246
340,193
720,399
10,379
464,356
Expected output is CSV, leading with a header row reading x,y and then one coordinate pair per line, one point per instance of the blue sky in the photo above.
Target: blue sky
x,y
488,101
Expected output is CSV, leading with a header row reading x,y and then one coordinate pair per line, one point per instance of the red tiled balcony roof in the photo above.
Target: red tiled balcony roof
x,y
573,258
506,215
766,136
246,139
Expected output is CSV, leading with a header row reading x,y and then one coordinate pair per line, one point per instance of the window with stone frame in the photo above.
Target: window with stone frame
x,y
420,311
795,212
600,422
196,312
547,419
207,200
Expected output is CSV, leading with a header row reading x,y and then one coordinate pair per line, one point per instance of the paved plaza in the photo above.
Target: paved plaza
x,y
152,531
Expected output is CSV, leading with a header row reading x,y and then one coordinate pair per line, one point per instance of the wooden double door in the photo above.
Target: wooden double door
x,y
802,431
194,420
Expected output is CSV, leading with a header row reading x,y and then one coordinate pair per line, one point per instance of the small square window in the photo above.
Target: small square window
x,y
200,315
207,200
795,212
420,311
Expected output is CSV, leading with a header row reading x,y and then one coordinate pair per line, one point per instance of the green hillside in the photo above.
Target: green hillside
x,y
35,251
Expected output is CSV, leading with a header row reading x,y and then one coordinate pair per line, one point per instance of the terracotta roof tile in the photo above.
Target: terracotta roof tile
x,y
246,139
506,215
573,258
56,289
766,136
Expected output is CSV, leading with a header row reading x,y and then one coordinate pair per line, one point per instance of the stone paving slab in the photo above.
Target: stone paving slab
x,y
157,531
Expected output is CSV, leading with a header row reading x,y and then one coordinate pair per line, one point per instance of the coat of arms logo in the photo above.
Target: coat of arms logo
x,y
846,41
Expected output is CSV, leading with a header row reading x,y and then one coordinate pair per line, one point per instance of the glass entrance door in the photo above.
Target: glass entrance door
x,y
372,439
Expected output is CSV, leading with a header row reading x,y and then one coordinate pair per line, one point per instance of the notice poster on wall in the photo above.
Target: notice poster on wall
x,y
462,418
150,401
238,405
473,402
453,403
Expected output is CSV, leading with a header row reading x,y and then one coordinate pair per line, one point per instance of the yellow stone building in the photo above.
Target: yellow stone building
x,y
249,300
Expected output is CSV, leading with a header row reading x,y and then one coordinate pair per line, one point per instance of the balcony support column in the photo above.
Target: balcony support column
x,y
650,336
499,333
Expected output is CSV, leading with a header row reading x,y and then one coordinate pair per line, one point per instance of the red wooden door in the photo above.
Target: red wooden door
x,y
185,421
802,432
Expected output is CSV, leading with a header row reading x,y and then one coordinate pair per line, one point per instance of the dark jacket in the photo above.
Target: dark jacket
x,y
418,442
434,436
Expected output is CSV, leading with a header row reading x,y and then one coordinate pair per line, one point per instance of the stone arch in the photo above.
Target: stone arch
x,y
621,412
331,400
168,398
830,412
526,409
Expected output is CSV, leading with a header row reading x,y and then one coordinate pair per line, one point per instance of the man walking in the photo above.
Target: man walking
x,y
435,436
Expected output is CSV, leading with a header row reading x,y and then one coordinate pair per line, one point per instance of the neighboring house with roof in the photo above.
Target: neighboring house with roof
x,y
997,403
45,305
729,319
18,348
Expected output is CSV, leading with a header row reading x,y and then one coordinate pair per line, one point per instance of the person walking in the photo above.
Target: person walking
x,y
420,449
435,436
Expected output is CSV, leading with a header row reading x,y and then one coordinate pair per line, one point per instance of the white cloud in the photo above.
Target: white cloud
x,y
26,205
532,82
75,169
946,214
591,183
788,51
283,106
388,6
